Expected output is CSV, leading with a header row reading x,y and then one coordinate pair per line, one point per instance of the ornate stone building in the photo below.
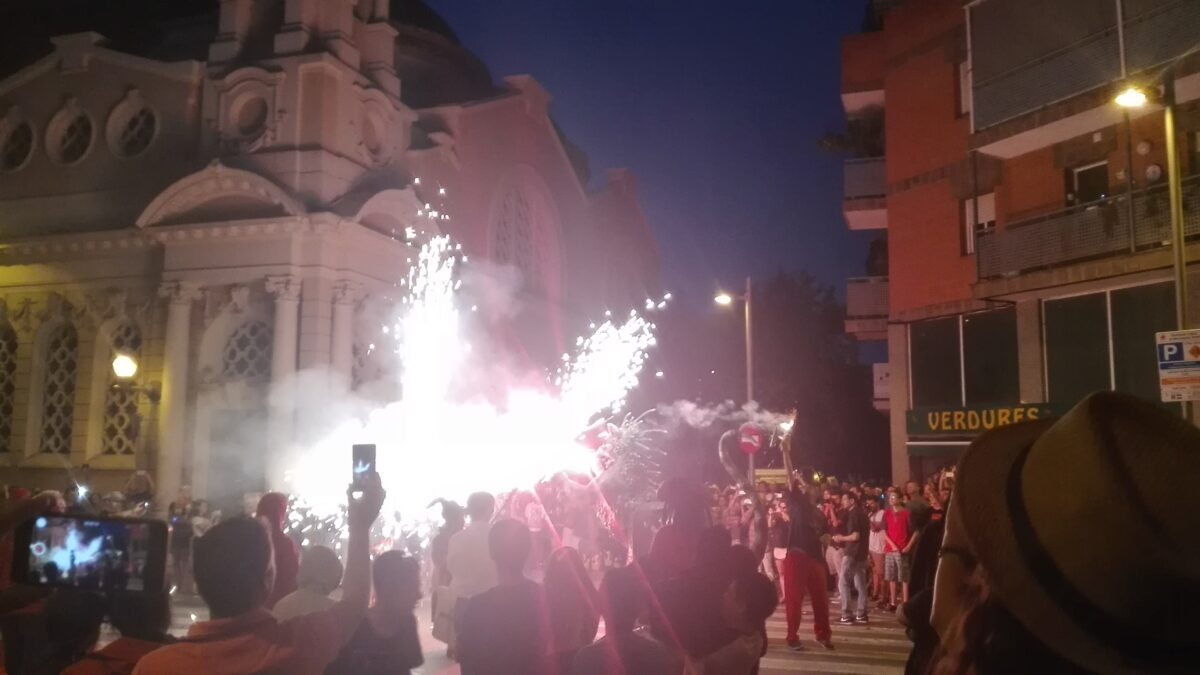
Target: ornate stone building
x,y
229,191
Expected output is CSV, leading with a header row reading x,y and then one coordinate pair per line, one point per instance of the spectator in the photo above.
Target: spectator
x,y
854,559
505,630
441,601
898,541
831,508
201,518
387,643
179,518
621,651
272,510
876,550
234,573
803,570
919,510
572,605
1105,599
139,489
142,620
469,561
320,574
73,621
747,603
691,602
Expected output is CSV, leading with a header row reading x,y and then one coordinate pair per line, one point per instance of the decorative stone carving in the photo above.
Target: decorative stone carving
x,y
284,287
348,293
179,292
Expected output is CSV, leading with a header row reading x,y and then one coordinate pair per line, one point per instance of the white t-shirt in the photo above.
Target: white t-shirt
x,y
301,602
470,562
877,538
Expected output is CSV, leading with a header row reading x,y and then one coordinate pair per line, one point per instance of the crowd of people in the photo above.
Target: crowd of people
x,y
1008,594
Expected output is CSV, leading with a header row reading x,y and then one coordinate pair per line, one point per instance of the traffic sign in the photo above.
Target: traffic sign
x,y
1179,365
750,438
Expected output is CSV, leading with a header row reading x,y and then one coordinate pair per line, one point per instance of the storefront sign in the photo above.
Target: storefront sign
x,y
971,421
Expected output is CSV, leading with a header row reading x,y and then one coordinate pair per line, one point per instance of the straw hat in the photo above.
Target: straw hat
x,y
1087,529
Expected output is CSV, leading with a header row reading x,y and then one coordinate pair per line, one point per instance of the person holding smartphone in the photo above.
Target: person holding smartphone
x,y
235,574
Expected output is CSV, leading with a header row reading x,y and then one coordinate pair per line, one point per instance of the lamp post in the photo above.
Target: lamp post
x,y
725,299
1136,97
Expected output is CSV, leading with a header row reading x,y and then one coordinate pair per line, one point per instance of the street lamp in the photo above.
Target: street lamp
x,y
124,366
1133,96
725,299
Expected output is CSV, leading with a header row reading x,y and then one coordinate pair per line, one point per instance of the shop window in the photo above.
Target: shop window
x,y
990,357
1076,339
1137,314
934,357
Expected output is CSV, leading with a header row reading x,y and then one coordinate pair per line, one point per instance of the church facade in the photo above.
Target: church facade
x,y
232,196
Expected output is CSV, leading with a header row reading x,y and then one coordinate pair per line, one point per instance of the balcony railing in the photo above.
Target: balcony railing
x,y
864,178
867,298
1042,67
1094,230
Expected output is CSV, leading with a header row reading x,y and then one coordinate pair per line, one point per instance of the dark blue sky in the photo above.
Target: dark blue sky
x,y
715,106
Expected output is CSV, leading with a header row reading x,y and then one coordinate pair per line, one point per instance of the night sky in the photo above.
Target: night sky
x,y
715,105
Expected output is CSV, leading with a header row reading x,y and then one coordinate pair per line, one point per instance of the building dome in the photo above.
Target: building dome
x,y
434,67
417,14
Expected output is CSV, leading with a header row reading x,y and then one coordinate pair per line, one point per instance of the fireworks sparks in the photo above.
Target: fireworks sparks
x,y
441,440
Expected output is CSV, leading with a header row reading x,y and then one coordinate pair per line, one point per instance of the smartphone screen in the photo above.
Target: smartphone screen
x,y
363,458
92,554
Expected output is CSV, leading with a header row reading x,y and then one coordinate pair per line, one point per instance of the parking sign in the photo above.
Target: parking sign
x,y
1179,365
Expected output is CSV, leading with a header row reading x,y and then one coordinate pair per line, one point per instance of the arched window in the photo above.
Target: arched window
x,y
58,388
247,352
516,235
120,403
8,378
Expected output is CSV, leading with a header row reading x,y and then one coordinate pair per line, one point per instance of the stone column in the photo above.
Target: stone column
x,y
172,408
282,415
346,296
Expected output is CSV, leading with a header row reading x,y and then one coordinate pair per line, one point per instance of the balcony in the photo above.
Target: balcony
x,y
867,308
881,375
864,195
1096,230
1032,88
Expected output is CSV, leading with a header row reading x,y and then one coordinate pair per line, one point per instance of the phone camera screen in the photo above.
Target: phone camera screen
x,y
92,555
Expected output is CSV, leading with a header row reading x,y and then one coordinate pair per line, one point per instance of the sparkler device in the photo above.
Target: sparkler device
x,y
363,457
91,553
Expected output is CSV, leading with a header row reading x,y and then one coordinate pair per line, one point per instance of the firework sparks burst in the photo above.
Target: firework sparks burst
x,y
435,442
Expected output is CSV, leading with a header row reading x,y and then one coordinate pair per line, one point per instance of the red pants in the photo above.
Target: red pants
x,y
802,573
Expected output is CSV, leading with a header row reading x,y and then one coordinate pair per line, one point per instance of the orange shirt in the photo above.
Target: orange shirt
x,y
254,642
118,658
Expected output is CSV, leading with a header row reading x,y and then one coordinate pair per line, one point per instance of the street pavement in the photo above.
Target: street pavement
x,y
879,648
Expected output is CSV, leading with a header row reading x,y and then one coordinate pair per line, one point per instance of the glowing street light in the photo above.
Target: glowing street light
x,y
725,299
1131,97
124,366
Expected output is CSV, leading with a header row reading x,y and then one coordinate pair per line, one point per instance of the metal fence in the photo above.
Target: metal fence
x,y
863,178
1089,231
866,297
1154,34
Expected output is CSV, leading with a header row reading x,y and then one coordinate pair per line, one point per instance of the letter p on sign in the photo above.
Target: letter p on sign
x,y
1170,351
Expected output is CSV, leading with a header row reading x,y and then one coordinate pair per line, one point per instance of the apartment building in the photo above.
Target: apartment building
x,y
1026,215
